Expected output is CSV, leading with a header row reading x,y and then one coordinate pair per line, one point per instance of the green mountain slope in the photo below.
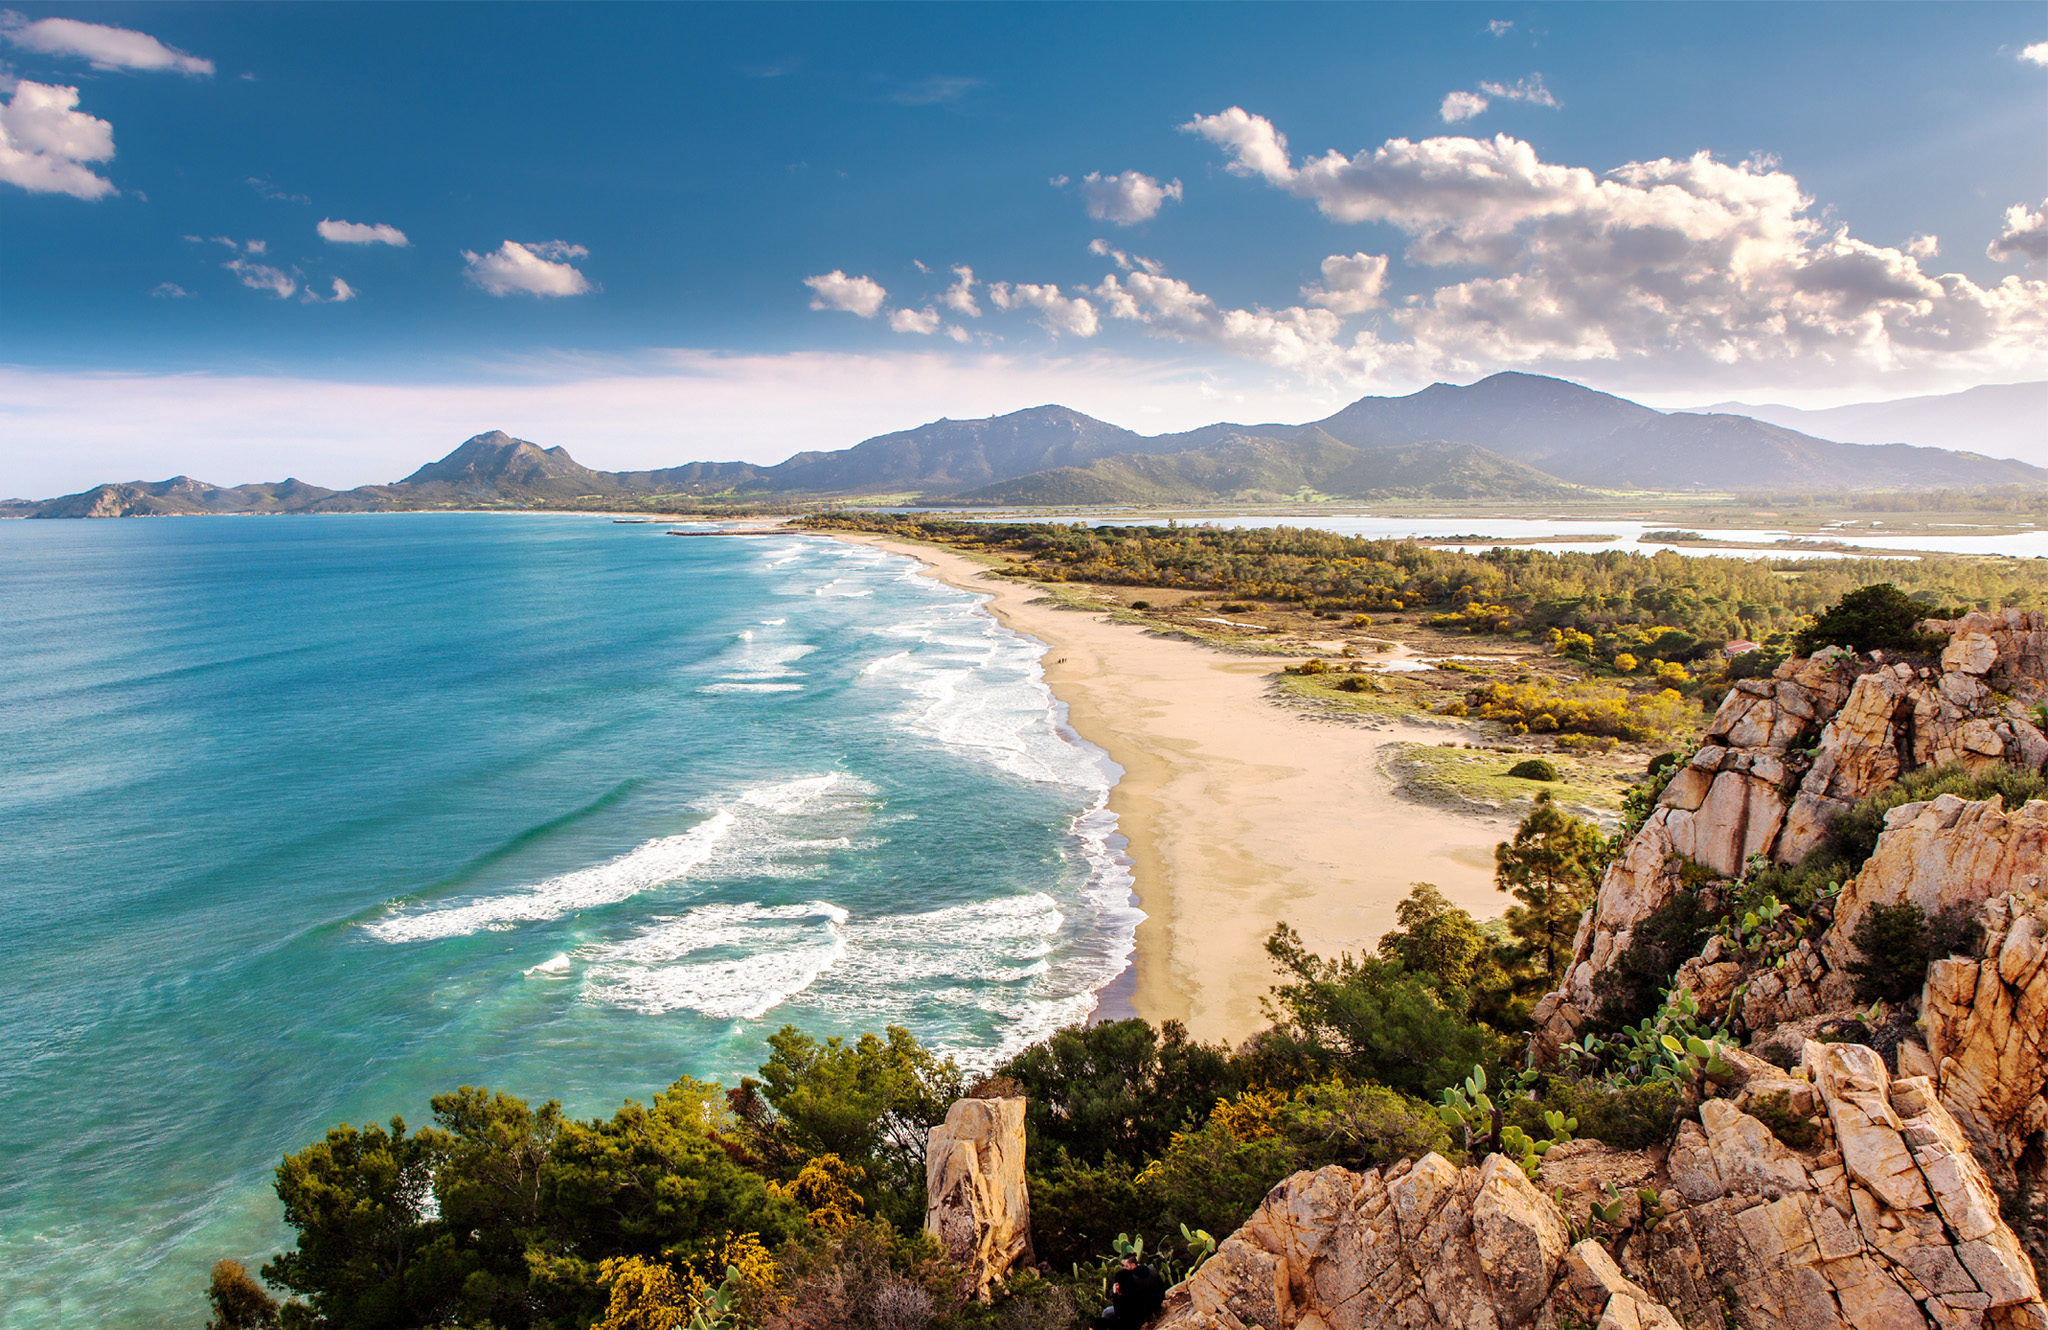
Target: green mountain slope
x,y
1265,470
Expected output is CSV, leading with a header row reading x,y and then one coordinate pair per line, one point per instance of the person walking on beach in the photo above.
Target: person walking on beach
x,y
1134,1298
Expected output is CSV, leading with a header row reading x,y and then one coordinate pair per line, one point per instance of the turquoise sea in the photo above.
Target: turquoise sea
x,y
304,819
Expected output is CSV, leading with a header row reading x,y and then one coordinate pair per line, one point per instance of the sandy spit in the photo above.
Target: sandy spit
x,y
1239,812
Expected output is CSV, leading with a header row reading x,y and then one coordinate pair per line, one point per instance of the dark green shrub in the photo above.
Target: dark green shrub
x,y
1775,1111
1898,942
1118,1088
1078,1209
1356,683
1214,1176
1534,768
1631,988
1870,618
1367,1019
1635,1118
1853,835
1894,940
1141,604
239,1302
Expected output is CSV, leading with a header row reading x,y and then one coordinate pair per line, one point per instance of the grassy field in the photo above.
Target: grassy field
x,y
1476,780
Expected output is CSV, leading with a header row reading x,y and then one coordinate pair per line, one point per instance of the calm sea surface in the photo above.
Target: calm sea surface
x,y
304,819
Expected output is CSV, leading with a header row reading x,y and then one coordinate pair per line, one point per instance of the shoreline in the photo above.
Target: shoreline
x,y
1237,813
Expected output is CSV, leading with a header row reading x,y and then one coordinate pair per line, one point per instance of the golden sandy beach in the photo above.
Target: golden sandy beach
x,y
1239,812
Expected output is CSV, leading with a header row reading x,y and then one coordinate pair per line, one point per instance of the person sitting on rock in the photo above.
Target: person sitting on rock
x,y
1134,1298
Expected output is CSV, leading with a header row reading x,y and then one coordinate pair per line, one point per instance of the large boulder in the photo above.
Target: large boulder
x,y
1885,1222
976,1202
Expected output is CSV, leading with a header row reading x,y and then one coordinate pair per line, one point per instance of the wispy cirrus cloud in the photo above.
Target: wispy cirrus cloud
x,y
46,143
535,268
263,277
102,46
933,90
1459,106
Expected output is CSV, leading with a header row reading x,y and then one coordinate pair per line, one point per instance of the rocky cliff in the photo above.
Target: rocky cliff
x,y
1838,1184
1886,1222
1783,757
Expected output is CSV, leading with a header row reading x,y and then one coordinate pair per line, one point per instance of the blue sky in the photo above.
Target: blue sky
x,y
661,232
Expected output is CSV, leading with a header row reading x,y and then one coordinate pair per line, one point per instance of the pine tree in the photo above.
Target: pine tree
x,y
1551,867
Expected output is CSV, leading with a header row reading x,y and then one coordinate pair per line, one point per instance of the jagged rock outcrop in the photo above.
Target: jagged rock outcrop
x,y
976,1202
1885,1223
2008,649
1949,856
1783,757
1987,1030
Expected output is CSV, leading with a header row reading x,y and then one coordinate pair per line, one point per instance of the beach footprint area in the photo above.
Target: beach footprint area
x,y
311,820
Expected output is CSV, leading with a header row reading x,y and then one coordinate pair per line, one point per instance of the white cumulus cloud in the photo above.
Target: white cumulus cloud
x,y
2025,238
535,269
170,291
855,295
1461,106
1500,27
959,297
104,47
1687,264
924,321
1352,283
2036,54
263,277
360,233
1058,313
1293,338
45,142
1128,198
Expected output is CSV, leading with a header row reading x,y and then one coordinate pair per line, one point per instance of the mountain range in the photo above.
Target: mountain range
x,y
2009,419
1511,436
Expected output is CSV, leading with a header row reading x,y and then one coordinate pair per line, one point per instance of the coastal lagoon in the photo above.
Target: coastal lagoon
x,y
1596,535
306,819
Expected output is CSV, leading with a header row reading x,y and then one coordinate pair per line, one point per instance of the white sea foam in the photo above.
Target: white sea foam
x,y
751,688
740,838
650,865
554,966
783,951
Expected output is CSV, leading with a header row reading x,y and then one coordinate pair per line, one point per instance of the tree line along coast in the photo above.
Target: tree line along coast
x,y
800,1197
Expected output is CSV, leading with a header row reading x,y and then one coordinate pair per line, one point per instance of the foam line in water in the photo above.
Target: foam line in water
x,y
784,950
650,865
